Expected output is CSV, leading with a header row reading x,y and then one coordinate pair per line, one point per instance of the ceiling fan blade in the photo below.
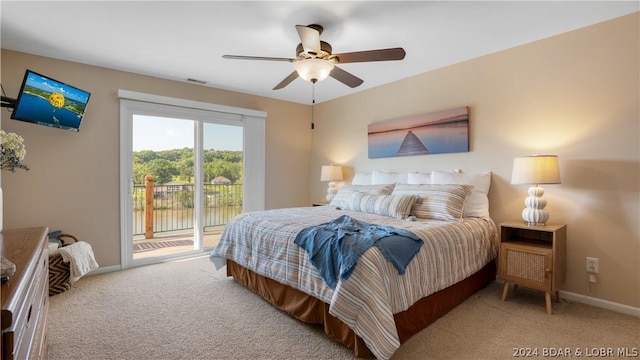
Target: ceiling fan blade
x,y
287,80
241,57
371,55
310,39
346,78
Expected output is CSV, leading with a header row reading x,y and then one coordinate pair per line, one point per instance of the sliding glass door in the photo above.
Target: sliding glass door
x,y
164,186
222,177
185,171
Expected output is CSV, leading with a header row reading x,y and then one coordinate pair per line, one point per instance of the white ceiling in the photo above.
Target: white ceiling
x,y
179,40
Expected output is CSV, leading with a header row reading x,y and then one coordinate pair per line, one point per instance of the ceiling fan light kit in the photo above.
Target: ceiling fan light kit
x,y
314,69
315,62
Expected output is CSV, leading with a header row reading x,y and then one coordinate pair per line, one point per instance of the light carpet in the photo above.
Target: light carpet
x,y
188,310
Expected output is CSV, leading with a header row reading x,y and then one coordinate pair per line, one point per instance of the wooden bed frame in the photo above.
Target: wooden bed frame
x,y
311,310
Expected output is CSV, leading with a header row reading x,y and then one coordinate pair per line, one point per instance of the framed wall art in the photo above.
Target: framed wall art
x,y
438,132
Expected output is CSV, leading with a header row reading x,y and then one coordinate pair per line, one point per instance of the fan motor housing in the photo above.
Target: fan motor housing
x,y
325,51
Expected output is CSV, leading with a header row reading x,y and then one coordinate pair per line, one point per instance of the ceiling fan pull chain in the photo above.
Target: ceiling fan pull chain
x,y
313,101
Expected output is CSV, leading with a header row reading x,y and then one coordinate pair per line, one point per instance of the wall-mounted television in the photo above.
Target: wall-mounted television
x,y
49,102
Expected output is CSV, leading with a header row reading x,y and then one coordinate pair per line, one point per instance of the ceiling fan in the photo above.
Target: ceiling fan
x,y
315,62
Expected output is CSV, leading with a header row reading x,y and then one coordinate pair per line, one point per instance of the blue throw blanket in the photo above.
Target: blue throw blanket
x,y
335,247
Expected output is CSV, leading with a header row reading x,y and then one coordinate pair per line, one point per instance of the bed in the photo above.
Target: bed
x,y
376,308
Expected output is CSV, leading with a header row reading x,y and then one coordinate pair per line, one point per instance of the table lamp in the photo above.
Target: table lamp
x,y
331,173
535,170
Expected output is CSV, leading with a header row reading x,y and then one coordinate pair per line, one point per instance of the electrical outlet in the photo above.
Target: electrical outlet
x,y
593,265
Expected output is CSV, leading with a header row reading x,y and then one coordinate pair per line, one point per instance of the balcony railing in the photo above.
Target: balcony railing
x,y
171,207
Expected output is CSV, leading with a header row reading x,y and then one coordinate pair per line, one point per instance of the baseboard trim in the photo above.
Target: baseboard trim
x,y
605,304
104,270
112,268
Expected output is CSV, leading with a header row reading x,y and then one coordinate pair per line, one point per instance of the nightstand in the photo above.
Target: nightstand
x,y
532,256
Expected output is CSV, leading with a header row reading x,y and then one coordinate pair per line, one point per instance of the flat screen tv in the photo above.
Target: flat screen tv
x,y
49,102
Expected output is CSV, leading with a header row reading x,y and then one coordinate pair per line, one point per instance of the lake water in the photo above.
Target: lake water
x,y
40,111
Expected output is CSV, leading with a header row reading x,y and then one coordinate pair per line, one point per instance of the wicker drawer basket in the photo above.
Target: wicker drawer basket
x,y
58,275
59,272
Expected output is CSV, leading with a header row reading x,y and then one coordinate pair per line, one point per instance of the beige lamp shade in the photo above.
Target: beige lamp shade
x,y
331,173
535,170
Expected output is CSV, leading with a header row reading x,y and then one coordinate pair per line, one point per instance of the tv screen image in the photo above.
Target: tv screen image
x,y
45,101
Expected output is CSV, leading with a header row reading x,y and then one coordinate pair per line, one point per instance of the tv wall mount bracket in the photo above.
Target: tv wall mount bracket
x,y
7,102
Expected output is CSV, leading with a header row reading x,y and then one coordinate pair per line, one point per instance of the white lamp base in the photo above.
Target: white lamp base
x,y
534,213
331,191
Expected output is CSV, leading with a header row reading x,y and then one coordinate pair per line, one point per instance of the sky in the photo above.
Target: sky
x,y
50,85
158,133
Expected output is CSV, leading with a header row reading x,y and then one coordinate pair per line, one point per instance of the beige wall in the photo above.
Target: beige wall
x,y
575,95
73,184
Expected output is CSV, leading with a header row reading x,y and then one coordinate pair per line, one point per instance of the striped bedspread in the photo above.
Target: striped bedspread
x,y
263,241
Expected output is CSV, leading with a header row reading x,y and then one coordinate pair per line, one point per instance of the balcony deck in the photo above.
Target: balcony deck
x,y
173,242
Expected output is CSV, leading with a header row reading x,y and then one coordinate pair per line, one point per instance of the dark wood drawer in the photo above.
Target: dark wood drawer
x,y
25,299
32,314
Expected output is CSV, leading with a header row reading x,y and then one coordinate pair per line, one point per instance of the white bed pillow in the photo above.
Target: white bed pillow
x,y
343,195
361,178
380,177
419,178
424,177
477,205
437,201
396,206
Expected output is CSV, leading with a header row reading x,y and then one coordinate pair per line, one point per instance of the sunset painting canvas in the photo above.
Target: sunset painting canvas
x,y
432,133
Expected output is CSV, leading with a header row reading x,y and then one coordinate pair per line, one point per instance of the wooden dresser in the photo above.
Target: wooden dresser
x,y
25,299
